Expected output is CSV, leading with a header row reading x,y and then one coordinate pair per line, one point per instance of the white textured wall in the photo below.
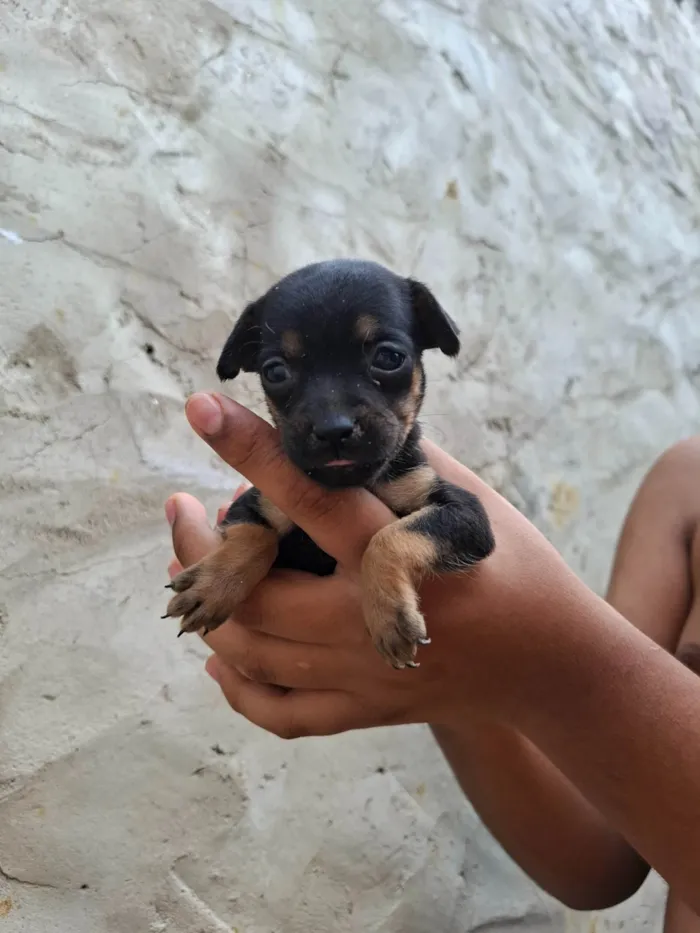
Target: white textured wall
x,y
161,162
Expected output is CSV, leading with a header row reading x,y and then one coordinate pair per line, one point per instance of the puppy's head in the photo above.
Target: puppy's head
x,y
338,348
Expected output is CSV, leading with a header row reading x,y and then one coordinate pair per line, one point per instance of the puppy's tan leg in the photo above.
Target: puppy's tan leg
x,y
397,559
209,591
451,532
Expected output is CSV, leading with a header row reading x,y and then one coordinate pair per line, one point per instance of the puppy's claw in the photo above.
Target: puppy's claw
x,y
166,616
168,586
424,641
397,632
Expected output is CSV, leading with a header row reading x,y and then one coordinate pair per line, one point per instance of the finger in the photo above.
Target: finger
x,y
341,523
193,537
222,512
174,568
304,608
266,659
288,714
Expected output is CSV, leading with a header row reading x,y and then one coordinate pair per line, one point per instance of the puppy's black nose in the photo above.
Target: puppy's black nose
x,y
333,429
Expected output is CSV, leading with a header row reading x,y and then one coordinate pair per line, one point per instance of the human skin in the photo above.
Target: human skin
x,y
655,582
529,672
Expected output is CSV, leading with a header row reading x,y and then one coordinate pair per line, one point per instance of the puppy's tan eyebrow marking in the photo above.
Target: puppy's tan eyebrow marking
x,y
407,409
291,343
366,327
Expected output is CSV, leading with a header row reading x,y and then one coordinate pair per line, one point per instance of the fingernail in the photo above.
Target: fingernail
x,y
212,668
204,414
171,511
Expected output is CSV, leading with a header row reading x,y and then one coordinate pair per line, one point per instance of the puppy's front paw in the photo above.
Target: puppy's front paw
x,y
396,559
396,625
208,593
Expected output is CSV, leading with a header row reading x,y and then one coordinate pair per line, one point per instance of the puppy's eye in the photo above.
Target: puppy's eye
x,y
276,372
388,359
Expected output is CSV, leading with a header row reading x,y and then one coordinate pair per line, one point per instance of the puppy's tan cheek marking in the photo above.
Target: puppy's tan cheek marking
x,y
408,407
366,327
409,492
291,343
274,413
275,517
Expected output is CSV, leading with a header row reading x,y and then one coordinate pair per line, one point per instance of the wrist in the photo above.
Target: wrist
x,y
541,644
576,648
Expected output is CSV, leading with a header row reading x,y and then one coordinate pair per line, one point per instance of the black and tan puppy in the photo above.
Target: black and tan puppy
x,y
338,348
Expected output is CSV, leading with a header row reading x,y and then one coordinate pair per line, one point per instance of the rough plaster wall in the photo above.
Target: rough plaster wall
x,y
162,161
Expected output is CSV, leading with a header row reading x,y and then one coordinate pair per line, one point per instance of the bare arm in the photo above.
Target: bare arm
x,y
523,641
651,582
531,808
621,718
538,815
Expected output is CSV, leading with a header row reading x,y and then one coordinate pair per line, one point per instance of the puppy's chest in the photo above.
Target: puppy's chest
x,y
298,552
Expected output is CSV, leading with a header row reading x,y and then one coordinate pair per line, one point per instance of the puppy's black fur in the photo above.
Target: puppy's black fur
x,y
338,346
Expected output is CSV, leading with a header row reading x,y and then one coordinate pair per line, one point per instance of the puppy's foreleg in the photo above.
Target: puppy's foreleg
x,y
450,532
208,592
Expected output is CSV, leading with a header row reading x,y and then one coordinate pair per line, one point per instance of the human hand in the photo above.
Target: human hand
x,y
296,660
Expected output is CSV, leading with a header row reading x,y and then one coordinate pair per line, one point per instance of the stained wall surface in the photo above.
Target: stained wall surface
x,y
161,163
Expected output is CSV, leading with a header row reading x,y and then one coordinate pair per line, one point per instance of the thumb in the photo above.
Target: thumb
x,y
193,537
340,522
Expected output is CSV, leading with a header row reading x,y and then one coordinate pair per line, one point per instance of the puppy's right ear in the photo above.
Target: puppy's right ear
x,y
436,329
243,345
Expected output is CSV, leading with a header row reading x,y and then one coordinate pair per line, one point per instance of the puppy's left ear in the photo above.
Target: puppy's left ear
x,y
435,328
243,345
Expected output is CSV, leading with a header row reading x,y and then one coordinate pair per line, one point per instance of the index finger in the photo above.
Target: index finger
x,y
342,523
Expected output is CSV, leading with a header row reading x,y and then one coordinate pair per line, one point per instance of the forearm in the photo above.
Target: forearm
x,y
539,817
621,718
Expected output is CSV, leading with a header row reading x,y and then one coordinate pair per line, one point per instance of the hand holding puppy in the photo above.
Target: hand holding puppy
x,y
307,633
538,690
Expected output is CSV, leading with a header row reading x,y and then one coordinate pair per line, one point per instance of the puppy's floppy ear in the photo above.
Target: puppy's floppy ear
x,y
243,345
435,328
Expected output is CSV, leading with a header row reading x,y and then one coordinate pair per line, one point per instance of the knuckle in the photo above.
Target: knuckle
x,y
289,730
252,665
253,670
243,653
